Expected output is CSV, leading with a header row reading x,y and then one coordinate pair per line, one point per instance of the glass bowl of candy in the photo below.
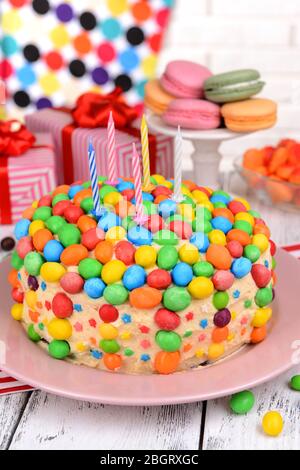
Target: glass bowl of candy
x,y
273,173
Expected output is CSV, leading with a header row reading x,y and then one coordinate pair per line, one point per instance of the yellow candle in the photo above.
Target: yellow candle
x,y
145,152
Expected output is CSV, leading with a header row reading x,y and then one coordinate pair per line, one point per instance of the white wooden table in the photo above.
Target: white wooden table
x,y
38,420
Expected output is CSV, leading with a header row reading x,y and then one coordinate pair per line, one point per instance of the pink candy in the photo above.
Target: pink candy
x,y
91,237
154,223
72,283
182,229
24,246
261,275
235,248
223,280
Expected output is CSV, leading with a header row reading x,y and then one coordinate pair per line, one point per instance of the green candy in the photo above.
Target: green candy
x,y
33,262
188,200
252,252
42,213
167,257
32,334
69,235
202,213
101,179
219,204
168,340
244,226
247,303
263,297
255,214
220,300
109,346
128,352
150,208
115,294
89,267
16,261
220,192
87,204
176,298
274,262
59,349
55,223
153,180
203,268
87,184
242,402
128,223
165,237
295,383
106,189
201,225
60,197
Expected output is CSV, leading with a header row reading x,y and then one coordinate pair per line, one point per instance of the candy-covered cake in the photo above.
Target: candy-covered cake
x,y
189,286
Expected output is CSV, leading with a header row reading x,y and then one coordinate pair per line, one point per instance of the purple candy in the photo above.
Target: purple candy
x,y
222,318
33,283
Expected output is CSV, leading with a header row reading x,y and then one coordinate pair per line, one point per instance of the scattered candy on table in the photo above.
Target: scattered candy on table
x,y
272,423
242,402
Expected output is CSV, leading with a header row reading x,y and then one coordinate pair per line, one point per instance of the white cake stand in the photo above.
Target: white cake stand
x,y
206,157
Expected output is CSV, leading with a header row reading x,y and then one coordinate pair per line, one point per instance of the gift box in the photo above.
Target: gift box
x,y
27,169
71,135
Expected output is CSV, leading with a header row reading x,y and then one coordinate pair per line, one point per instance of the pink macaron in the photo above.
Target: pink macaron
x,y
193,114
184,79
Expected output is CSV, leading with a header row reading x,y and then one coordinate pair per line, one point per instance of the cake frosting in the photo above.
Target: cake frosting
x,y
191,285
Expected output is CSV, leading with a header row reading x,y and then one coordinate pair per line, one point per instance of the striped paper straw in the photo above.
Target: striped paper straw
x,y
94,178
136,170
145,152
111,150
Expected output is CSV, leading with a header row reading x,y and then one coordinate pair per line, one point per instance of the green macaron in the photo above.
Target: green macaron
x,y
232,86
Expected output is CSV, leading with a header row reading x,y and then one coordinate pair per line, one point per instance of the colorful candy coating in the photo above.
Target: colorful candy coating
x,y
42,213
242,402
272,423
72,283
167,257
295,383
263,297
33,262
59,349
94,287
32,334
55,223
108,313
166,320
201,287
62,305
53,250
182,274
166,362
252,252
222,318
52,272
109,346
89,268
145,297
241,267
113,271
168,340
159,279
69,235
115,294
176,298
59,328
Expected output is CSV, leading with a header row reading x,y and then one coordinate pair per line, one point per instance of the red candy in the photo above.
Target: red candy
x,y
159,279
182,229
154,223
108,313
128,194
236,206
161,191
72,213
91,237
235,248
45,200
60,207
124,251
24,246
72,283
223,280
272,247
62,305
166,320
17,294
261,275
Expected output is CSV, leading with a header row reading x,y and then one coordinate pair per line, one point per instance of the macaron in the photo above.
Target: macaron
x,y
250,115
156,99
233,86
184,79
193,114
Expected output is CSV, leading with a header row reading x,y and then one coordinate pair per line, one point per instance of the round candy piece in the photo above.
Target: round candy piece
x,y
108,331
53,250
135,276
17,311
33,262
42,213
32,334
263,297
108,220
203,268
220,300
242,402
17,295
168,340
62,305
241,267
272,423
21,228
235,248
258,334
52,272
166,362
104,251
167,208
295,383
176,298
182,274
221,223
222,318
113,271
59,349
165,237
139,236
243,225
60,328
223,280
40,238
16,261
55,223
109,346
24,246
201,287
261,317
182,229
89,267
201,241
125,252
261,275
145,297
159,279
32,283
73,254
94,287
115,294
188,253
252,252
112,361
167,257
72,213
145,256
154,223
218,256
166,320
71,283
60,207
92,237
108,313
68,235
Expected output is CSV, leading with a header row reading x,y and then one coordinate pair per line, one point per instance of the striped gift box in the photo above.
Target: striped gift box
x,y
10,385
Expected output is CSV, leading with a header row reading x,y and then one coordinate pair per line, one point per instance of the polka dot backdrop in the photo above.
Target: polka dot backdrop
x,y
54,50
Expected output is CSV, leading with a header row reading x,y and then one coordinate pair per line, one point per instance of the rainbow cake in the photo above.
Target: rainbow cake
x,y
189,286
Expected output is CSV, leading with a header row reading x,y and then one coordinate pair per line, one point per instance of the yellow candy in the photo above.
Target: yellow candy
x,y
113,271
31,298
260,240
52,272
125,335
272,423
187,211
17,311
244,202
217,237
199,353
189,253
35,226
186,192
209,205
60,328
145,256
199,196
246,217
159,179
261,317
114,234
167,184
108,331
201,287
35,204
215,350
112,198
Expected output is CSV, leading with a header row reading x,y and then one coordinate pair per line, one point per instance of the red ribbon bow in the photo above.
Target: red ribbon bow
x,y
92,110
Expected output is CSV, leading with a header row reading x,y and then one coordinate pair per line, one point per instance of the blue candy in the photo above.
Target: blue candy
x,y
201,241
21,228
108,220
182,274
134,276
167,208
52,250
221,223
241,267
219,198
139,236
146,197
123,185
94,287
74,190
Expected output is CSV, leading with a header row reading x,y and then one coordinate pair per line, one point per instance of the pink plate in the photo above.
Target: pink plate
x,y
245,369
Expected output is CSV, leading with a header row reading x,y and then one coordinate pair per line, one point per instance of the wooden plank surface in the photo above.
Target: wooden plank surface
x,y
11,409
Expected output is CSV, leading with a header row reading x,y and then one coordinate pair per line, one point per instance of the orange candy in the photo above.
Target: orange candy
x,y
73,254
190,185
258,334
145,297
253,158
28,213
124,208
166,362
104,251
218,256
161,197
239,236
13,278
223,212
85,223
259,228
82,195
40,238
112,361
62,189
284,172
219,334
279,158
